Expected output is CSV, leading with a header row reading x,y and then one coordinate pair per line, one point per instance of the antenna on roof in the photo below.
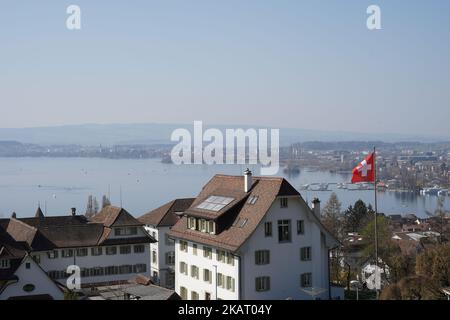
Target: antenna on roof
x,y
120,187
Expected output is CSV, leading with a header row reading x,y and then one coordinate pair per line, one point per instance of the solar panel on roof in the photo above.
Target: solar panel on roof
x,y
215,203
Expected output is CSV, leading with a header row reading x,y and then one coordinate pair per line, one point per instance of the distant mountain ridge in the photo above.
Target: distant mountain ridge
x,y
154,133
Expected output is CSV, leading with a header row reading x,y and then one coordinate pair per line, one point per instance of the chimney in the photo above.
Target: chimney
x,y
247,180
316,207
74,211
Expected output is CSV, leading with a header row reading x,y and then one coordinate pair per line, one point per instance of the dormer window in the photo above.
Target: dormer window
x,y
125,231
202,225
4,264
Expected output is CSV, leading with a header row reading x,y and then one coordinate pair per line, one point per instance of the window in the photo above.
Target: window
x,y
125,269
207,296
192,223
262,284
194,249
37,258
96,251
284,230
155,276
230,284
129,231
125,249
111,251
169,241
202,225
183,268
194,272
4,264
139,248
97,271
140,268
283,202
305,253
220,255
215,203
262,257
183,246
170,258
211,227
183,293
110,270
252,199
306,280
28,265
52,254
230,259
300,227
194,295
67,253
207,275
83,252
207,252
268,229
153,256
220,280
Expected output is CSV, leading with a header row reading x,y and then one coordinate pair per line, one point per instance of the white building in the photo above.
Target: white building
x,y
251,238
27,280
112,246
158,223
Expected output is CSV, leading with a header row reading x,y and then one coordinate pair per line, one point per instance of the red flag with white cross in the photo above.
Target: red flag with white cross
x,y
364,172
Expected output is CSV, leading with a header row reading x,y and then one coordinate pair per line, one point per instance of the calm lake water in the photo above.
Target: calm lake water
x,y
61,183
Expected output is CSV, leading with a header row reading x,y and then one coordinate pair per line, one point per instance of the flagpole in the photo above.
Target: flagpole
x,y
376,215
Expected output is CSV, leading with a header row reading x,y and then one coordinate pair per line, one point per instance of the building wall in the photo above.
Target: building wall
x,y
103,260
285,267
161,247
199,285
35,276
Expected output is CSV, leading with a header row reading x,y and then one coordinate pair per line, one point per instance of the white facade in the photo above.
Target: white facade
x,y
104,267
200,286
162,257
31,276
285,267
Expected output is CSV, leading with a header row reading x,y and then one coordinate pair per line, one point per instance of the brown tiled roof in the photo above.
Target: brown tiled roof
x,y
233,236
165,216
116,216
46,233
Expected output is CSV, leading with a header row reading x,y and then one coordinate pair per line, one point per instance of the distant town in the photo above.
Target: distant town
x,y
403,166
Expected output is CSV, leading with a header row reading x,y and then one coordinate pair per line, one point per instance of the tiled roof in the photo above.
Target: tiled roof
x,y
46,233
165,216
116,216
240,218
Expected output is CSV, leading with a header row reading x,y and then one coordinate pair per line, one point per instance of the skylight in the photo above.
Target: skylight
x,y
215,203
252,199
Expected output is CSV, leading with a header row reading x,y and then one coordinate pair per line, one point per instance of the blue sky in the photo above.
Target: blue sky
x,y
304,64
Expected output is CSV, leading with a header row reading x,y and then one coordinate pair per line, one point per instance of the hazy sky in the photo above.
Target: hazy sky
x,y
305,64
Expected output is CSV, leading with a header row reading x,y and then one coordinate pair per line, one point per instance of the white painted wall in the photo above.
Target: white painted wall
x,y
161,247
103,260
200,286
36,276
285,267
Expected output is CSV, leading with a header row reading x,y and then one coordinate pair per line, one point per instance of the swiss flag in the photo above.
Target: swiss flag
x,y
364,172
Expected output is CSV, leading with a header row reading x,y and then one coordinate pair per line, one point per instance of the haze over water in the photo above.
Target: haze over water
x,y
61,183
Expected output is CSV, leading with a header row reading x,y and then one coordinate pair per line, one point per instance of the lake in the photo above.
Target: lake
x,y
61,183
